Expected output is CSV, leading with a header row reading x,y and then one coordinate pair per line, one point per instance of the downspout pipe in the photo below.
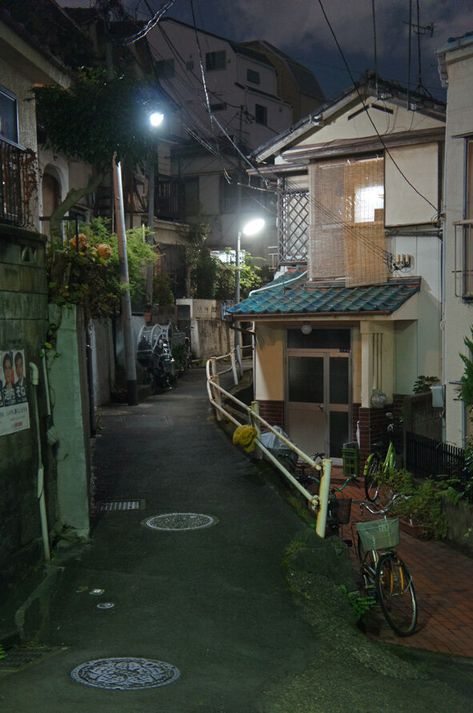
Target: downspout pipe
x,y
34,376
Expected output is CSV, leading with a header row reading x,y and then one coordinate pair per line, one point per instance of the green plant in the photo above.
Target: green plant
x,y
360,603
424,506
85,271
398,480
466,382
92,119
423,383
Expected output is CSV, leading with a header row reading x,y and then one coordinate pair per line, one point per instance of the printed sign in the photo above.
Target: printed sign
x,y
14,409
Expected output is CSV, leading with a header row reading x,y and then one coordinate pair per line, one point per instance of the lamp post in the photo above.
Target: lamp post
x,y
250,228
156,118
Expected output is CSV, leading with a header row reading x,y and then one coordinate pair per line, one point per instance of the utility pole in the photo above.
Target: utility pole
x,y
127,332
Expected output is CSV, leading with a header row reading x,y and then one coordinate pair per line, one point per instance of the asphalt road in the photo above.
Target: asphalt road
x,y
247,633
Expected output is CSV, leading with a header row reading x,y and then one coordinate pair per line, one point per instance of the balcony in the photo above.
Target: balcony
x,y
18,183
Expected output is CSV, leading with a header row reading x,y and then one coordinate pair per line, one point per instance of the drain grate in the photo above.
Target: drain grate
x,y
180,521
119,505
125,673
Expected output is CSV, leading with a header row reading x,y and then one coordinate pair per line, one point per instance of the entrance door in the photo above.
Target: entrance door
x,y
318,400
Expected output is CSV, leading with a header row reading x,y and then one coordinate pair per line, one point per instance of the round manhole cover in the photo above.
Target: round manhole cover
x,y
125,673
180,521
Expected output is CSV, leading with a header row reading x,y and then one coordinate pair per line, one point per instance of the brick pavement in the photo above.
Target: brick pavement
x,y
443,579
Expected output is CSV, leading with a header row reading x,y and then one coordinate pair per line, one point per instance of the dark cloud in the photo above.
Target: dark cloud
x,y
299,28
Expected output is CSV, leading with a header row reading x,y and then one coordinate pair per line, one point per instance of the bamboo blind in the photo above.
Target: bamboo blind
x,y
347,221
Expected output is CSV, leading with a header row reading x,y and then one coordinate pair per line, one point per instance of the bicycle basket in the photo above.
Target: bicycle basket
x,y
343,510
379,534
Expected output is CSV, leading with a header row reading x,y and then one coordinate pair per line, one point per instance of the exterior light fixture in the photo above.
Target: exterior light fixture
x,y
156,118
253,226
306,329
250,228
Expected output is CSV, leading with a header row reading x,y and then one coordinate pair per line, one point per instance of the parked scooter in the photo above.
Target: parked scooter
x,y
162,367
154,354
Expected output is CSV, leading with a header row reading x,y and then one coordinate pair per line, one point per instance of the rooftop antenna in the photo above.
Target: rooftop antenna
x,y
419,30
373,12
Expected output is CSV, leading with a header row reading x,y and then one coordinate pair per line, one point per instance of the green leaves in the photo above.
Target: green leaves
x,y
86,272
96,117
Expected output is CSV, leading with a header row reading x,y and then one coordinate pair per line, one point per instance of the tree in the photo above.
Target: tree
x,y
91,120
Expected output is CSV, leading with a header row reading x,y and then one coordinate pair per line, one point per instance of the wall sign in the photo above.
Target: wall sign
x,y
14,409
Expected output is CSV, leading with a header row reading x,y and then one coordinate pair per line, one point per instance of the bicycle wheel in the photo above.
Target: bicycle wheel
x,y
371,470
396,594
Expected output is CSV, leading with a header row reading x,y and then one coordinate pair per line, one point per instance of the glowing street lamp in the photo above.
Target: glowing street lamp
x,y
252,227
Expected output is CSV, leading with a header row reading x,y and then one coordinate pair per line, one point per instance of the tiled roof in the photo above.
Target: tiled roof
x,y
308,298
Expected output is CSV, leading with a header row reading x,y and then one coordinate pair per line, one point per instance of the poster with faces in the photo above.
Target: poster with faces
x,y
14,409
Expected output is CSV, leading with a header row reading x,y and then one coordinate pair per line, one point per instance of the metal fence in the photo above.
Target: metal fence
x,y
17,180
428,457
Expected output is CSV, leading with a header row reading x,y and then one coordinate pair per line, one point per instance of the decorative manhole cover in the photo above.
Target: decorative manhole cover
x,y
180,521
125,673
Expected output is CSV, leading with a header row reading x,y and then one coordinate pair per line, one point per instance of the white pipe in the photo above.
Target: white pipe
x,y
283,283
34,376
324,493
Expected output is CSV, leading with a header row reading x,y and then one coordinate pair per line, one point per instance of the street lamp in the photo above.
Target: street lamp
x,y
253,226
155,118
126,317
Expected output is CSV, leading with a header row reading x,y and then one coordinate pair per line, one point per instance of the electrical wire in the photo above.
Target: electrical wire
x,y
152,22
360,96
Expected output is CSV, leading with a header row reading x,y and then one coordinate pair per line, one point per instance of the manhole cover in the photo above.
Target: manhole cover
x,y
180,521
125,673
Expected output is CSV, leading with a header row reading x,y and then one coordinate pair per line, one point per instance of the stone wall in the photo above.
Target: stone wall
x,y
23,326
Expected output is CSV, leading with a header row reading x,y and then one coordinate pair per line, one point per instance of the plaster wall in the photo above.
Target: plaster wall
x,y
269,363
348,126
458,316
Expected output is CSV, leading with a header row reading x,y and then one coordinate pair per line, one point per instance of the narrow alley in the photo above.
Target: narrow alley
x,y
206,611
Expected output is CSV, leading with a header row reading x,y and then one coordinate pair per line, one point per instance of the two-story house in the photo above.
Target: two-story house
x,y
232,97
354,316
456,73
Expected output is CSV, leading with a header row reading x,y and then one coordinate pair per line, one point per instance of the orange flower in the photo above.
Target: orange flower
x,y
82,242
104,251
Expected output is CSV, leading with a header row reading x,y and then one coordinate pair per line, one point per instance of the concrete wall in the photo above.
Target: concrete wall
x,y
23,325
103,362
210,335
68,379
458,316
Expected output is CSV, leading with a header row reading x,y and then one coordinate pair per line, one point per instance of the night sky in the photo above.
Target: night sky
x,y
298,27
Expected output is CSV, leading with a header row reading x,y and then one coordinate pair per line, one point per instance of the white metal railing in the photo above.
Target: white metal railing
x,y
216,393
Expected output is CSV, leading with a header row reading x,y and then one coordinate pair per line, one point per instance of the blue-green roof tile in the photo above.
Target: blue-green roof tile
x,y
300,297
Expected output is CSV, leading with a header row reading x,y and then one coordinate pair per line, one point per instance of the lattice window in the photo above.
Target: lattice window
x,y
293,226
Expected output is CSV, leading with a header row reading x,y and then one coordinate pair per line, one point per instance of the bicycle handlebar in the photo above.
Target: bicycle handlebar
x,y
383,511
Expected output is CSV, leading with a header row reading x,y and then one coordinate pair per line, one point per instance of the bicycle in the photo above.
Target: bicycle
x,y
384,574
376,465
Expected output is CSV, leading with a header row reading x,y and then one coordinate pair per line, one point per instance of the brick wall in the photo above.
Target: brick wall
x,y
272,412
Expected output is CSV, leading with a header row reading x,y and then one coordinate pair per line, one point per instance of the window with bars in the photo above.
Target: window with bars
x,y
293,226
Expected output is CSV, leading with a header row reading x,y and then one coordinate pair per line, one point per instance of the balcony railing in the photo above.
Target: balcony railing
x,y
18,182
169,199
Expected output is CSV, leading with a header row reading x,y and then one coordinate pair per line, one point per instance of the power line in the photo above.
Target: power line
x,y
360,96
152,22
